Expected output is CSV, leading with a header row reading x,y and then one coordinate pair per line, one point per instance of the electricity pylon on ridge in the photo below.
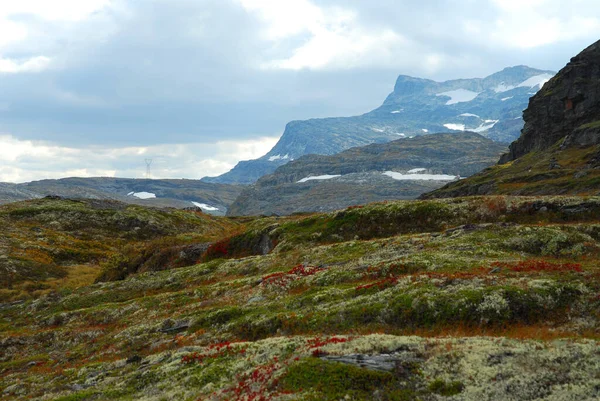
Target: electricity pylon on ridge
x,y
148,163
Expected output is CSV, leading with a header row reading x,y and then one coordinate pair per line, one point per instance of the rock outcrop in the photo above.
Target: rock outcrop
x,y
568,106
558,151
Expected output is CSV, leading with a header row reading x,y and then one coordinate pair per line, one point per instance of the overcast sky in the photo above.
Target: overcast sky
x,y
93,87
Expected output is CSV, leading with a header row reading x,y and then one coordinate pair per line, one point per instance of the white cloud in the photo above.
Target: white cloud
x,y
15,30
527,24
24,160
336,39
58,10
34,64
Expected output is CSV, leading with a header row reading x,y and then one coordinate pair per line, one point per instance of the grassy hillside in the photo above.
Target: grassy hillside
x,y
482,298
559,171
49,243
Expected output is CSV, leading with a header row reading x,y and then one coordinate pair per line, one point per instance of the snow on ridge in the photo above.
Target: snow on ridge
x,y
377,129
416,170
484,127
130,193
420,177
319,177
279,157
455,127
400,134
504,99
204,206
459,96
468,115
538,80
144,195
502,87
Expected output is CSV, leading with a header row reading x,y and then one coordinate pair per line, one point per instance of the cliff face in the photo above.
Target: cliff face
x,y
558,151
568,106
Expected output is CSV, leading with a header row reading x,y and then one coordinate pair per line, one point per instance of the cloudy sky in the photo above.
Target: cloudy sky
x,y
93,87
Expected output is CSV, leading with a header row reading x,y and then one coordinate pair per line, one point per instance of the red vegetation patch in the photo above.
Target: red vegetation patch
x,y
381,284
281,279
214,351
318,342
218,249
534,265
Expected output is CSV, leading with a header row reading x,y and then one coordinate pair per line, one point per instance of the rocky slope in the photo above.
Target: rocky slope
x,y
211,198
401,169
558,151
487,298
491,106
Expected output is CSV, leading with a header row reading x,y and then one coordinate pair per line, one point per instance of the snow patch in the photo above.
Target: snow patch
x,y
131,193
397,111
319,177
459,96
502,87
455,127
484,127
420,177
377,129
416,170
538,80
204,206
144,195
424,130
400,134
504,99
468,115
279,157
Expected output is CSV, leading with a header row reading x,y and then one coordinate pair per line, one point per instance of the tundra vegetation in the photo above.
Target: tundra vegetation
x,y
483,298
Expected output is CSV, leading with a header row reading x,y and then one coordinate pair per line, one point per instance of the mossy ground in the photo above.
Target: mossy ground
x,y
488,298
559,171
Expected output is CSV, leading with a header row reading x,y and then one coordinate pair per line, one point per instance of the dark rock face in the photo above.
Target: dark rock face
x,y
568,106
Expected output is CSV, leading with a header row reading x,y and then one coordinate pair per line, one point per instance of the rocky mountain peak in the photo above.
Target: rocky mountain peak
x,y
568,106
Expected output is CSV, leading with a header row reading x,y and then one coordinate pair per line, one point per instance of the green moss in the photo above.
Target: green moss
x,y
333,381
79,396
446,389
594,124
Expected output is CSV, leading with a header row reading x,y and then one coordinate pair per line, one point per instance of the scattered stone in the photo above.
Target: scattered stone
x,y
398,362
554,165
134,359
172,326
255,299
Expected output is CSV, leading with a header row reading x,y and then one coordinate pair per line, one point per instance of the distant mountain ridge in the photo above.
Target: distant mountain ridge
x,y
212,198
400,169
491,106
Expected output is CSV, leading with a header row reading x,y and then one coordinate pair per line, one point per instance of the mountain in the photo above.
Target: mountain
x,y
401,169
211,198
558,151
491,106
